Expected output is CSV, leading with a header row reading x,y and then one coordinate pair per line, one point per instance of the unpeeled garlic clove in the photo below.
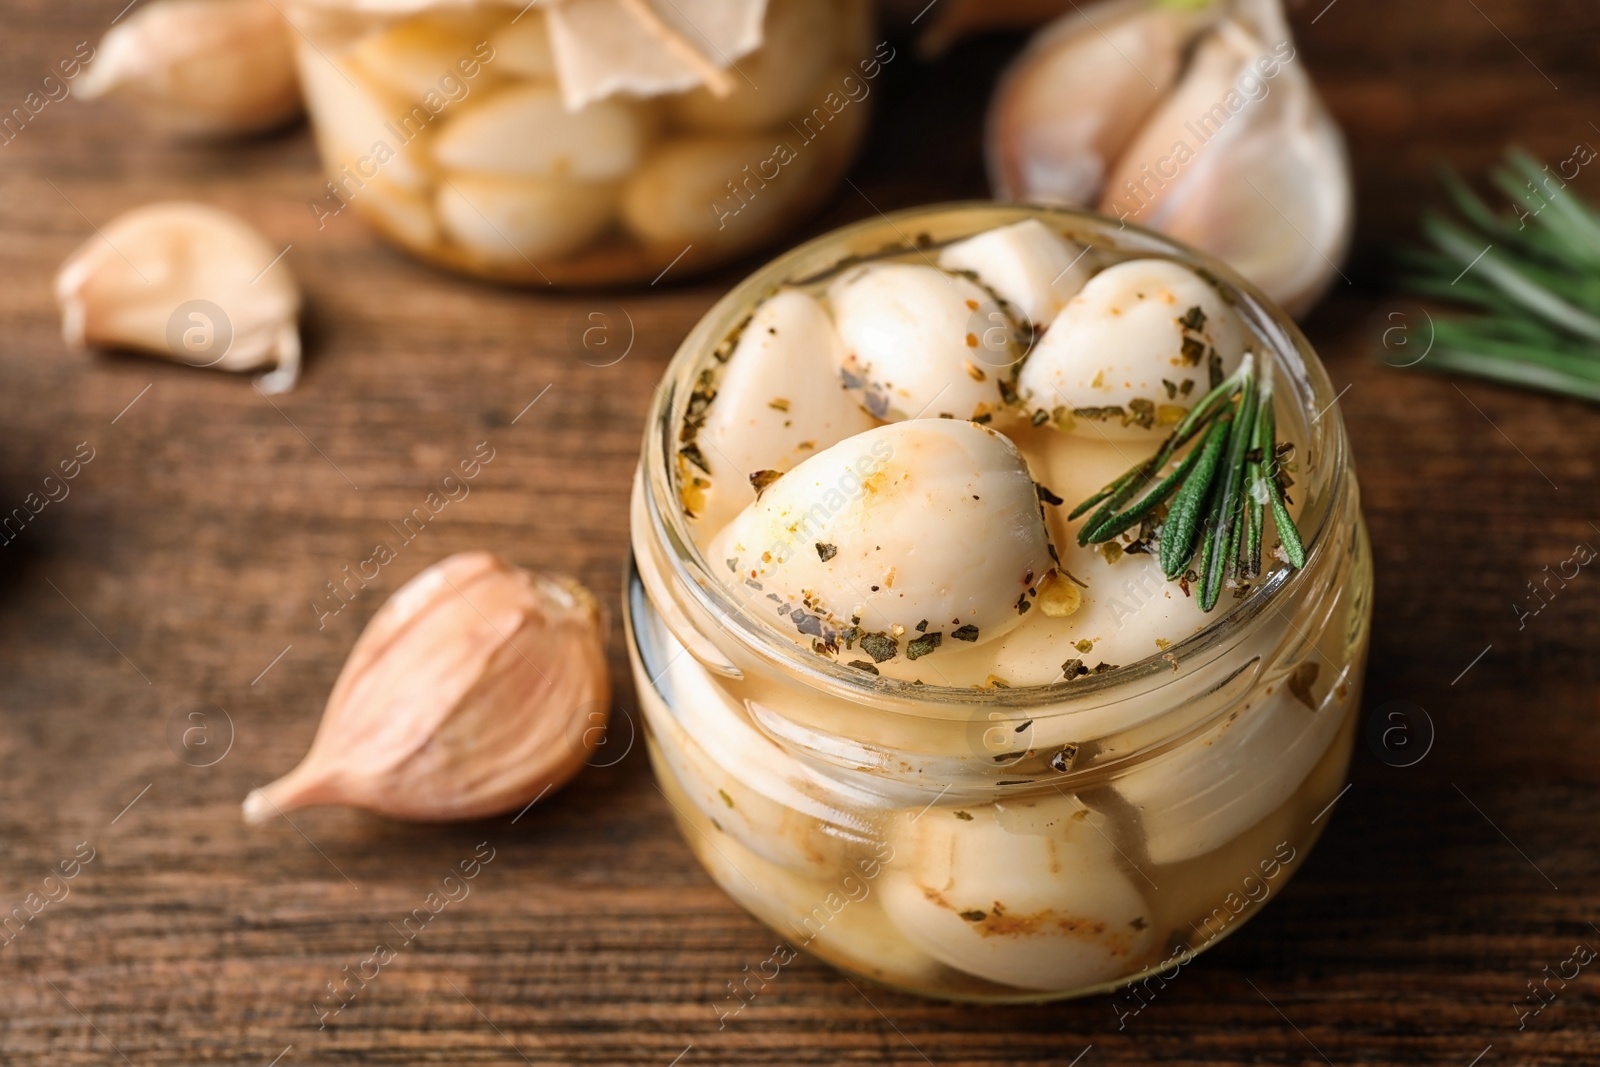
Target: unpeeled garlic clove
x,y
1067,108
1267,188
474,690
188,282
200,68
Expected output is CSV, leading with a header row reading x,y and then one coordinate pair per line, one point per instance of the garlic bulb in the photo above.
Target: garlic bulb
x,y
894,542
200,68
475,689
188,282
1132,352
1199,123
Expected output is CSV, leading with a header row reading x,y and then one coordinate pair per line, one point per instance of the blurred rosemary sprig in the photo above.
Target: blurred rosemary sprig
x,y
1220,490
1532,273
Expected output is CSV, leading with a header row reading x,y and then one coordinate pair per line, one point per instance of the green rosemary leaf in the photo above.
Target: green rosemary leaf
x,y
1254,507
1188,507
1124,488
1513,370
1288,534
1222,542
1115,524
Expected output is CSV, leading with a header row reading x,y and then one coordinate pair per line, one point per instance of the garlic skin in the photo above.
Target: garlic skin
x,y
778,402
1026,893
1124,343
1268,192
912,342
131,286
474,690
915,529
200,68
1027,264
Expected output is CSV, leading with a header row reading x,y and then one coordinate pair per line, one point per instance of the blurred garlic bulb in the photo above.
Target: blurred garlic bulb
x,y
200,68
188,282
474,690
1197,123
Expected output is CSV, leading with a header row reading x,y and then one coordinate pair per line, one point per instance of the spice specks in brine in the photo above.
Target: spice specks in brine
x,y
825,552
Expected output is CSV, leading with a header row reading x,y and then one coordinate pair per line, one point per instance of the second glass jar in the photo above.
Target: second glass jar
x,y
444,127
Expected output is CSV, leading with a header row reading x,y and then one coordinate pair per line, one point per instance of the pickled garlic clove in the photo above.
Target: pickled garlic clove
x,y
1027,264
913,342
1067,108
727,192
475,689
778,402
526,132
187,282
893,543
781,80
427,53
1130,354
1027,893
351,116
1201,795
1268,190
521,220
523,47
200,68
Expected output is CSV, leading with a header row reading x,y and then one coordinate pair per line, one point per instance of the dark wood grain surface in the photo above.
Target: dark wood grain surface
x,y
188,554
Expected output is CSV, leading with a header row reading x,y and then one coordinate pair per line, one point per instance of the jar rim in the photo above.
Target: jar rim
x,y
1295,364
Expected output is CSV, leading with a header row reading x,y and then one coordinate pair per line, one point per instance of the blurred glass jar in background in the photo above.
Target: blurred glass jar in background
x,y
584,142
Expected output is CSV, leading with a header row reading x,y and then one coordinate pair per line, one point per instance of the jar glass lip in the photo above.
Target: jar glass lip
x,y
1297,372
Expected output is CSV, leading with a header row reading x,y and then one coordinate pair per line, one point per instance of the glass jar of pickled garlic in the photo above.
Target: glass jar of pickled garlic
x,y
583,142
969,805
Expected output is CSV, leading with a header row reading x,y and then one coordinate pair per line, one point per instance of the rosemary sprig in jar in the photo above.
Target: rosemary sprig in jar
x,y
1220,489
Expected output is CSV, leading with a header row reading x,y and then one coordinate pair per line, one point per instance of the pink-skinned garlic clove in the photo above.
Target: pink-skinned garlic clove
x,y
476,689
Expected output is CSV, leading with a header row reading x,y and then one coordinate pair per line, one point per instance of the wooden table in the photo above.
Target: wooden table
x,y
178,576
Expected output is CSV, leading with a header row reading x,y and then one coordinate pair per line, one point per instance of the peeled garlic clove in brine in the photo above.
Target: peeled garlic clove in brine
x,y
428,53
1132,352
351,117
1027,264
474,690
1067,108
913,342
778,402
896,539
1196,799
200,67
1259,176
1027,893
522,47
779,80
526,131
751,789
723,192
187,282
526,220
